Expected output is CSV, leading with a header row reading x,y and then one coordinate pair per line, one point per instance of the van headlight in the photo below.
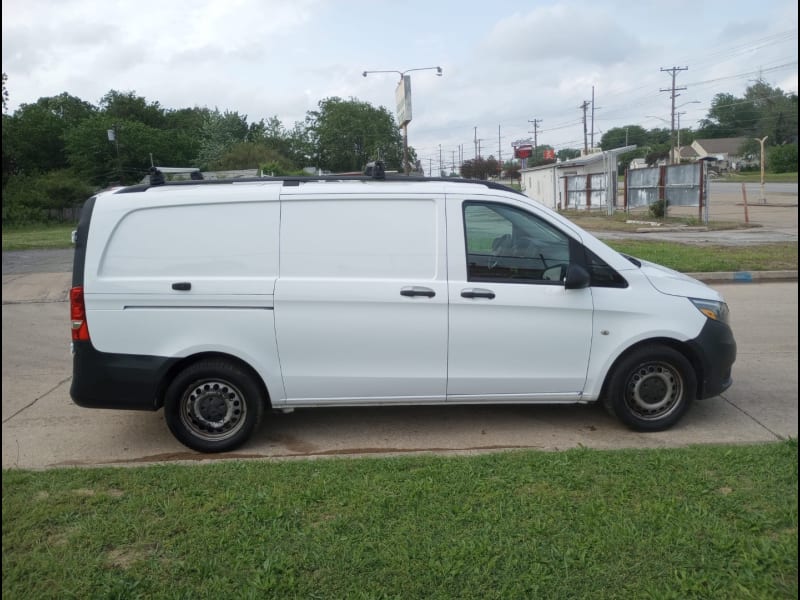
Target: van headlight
x,y
718,311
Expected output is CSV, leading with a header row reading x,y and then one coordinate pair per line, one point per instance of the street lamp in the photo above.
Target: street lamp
x,y
678,115
403,103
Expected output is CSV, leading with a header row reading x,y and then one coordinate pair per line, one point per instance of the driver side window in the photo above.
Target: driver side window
x,y
505,243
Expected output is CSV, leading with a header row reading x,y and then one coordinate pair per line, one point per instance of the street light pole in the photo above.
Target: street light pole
x,y
761,141
402,117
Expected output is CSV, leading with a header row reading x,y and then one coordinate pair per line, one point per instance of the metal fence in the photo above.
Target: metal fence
x,y
677,185
586,192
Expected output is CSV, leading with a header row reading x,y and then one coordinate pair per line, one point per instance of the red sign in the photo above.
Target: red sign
x,y
549,154
523,151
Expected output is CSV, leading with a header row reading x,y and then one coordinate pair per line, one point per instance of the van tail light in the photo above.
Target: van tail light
x,y
77,315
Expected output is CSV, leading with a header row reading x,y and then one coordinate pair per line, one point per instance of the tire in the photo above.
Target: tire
x,y
651,388
213,406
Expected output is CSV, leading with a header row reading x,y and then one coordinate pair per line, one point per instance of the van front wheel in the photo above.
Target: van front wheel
x,y
213,406
651,388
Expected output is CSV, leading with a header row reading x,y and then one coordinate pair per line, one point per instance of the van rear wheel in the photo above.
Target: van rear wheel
x,y
213,406
651,388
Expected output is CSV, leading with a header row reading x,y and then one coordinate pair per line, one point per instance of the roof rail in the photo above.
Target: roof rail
x,y
295,180
156,177
375,170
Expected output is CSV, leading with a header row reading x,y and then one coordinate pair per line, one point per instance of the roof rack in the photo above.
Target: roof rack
x,y
373,172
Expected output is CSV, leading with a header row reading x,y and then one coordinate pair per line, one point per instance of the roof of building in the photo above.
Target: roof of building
x,y
583,160
728,146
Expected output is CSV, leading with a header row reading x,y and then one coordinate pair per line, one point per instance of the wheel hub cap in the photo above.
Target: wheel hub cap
x,y
654,390
213,410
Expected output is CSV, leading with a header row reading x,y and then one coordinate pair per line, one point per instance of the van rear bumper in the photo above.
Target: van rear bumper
x,y
715,348
121,381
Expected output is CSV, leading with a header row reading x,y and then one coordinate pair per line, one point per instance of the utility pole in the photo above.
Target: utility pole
x,y
674,71
592,146
761,141
584,105
113,136
453,167
476,142
499,149
441,165
535,133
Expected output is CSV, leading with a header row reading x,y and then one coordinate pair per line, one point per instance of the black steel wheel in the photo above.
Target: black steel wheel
x,y
213,406
651,388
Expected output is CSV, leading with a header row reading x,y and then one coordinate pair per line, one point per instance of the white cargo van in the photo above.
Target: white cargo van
x,y
220,300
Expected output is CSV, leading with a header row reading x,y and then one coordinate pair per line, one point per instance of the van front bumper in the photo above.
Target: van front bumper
x,y
122,381
715,350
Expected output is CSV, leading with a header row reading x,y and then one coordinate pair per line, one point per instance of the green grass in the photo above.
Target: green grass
x,y
755,177
38,237
689,258
699,522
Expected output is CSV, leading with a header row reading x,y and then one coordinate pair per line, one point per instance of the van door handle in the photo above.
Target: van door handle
x,y
477,293
417,290
182,286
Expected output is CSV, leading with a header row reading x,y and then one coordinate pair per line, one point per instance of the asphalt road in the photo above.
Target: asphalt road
x,y
43,428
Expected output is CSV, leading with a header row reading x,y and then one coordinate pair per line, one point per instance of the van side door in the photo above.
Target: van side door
x,y
516,333
361,299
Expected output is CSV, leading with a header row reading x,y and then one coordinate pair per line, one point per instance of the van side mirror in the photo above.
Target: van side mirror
x,y
576,278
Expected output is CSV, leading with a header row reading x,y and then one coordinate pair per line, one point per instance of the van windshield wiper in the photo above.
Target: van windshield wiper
x,y
635,261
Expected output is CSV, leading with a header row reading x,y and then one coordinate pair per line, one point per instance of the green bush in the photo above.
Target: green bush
x,y
782,159
50,198
657,209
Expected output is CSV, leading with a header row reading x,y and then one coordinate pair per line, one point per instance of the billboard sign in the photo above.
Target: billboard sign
x,y
549,154
523,151
402,97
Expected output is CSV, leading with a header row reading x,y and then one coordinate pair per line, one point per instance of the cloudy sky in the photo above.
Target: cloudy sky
x,y
505,64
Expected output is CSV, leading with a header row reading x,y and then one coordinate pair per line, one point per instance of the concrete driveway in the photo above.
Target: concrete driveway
x,y
43,428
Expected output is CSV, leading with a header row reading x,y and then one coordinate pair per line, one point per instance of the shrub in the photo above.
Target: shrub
x,y
657,209
782,159
52,197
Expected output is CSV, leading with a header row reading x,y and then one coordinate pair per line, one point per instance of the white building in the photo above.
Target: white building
x,y
576,183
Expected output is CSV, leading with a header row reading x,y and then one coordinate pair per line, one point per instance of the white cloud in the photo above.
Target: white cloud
x,y
502,67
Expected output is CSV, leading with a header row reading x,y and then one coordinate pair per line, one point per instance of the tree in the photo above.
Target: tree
x,y
183,132
617,137
492,167
729,116
220,132
782,159
101,161
250,155
34,136
347,134
568,154
511,170
5,93
127,106
777,112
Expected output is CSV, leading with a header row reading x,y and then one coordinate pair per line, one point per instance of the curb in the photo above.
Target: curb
x,y
745,276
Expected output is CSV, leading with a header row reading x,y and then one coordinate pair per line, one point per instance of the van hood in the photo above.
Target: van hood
x,y
673,283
